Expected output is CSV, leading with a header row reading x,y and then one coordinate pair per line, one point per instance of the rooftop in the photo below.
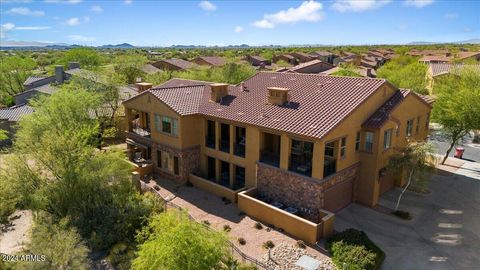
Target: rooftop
x,y
13,114
437,69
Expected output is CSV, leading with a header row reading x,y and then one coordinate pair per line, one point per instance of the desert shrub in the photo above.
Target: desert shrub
x,y
242,241
268,244
258,226
354,248
301,244
121,256
227,228
206,222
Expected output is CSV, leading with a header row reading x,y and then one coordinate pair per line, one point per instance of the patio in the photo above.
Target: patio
x,y
202,205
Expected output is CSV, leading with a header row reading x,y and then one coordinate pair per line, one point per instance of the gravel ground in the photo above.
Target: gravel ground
x,y
284,257
17,233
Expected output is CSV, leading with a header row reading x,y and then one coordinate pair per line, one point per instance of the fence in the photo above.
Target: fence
x,y
235,251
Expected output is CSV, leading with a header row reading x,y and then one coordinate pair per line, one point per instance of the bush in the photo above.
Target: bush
x,y
242,241
354,248
301,244
258,226
268,244
121,256
206,222
227,228
402,214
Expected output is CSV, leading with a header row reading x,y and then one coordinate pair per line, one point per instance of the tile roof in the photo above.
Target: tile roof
x,y
463,55
323,53
317,102
437,69
13,114
213,60
33,79
183,64
150,69
308,64
435,58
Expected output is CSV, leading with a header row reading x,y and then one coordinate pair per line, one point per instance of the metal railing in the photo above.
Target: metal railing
x,y
234,250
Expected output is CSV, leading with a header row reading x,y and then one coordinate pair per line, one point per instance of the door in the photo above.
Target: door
x,y
339,196
386,182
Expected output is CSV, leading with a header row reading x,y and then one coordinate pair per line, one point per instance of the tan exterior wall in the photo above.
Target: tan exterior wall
x,y
214,188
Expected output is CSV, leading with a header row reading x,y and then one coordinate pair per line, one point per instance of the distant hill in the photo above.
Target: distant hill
x,y
118,46
470,41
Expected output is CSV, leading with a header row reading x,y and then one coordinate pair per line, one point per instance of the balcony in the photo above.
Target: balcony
x,y
270,158
141,132
210,142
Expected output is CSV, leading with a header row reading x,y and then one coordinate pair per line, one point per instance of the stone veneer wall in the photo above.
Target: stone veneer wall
x,y
188,161
296,190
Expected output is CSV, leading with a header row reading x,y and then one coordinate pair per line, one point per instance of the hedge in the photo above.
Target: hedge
x,y
354,248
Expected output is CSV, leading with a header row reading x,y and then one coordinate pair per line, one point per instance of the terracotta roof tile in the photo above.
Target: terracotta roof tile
x,y
437,69
379,117
213,60
13,114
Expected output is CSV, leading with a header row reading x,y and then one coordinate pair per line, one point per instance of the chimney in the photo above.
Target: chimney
x,y
73,65
278,96
59,74
218,91
143,86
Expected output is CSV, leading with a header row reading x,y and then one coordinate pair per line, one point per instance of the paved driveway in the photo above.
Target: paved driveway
x,y
445,230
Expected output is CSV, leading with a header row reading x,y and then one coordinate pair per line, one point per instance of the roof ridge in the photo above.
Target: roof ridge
x,y
171,87
325,75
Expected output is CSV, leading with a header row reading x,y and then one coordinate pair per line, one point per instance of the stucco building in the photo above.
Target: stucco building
x,y
307,142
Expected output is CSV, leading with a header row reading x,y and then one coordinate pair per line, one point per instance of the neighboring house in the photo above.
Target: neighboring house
x,y
213,61
313,67
437,70
308,144
150,69
462,56
324,56
286,58
173,64
435,59
8,119
302,57
256,60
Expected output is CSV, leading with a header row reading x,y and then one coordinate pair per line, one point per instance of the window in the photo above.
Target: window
x,y
159,158
357,142
343,147
166,124
387,139
168,162
330,149
409,127
417,128
427,121
369,136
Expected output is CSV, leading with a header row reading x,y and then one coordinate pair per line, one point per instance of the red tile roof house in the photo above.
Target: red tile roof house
x,y
286,58
214,61
173,64
256,60
302,57
311,67
468,55
435,59
288,148
324,56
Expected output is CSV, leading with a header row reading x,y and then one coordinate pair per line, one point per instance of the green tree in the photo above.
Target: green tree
x,y
457,107
172,241
3,135
129,65
61,245
14,70
417,160
87,57
405,72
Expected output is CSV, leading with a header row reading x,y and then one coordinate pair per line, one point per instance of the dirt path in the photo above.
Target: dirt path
x,y
17,233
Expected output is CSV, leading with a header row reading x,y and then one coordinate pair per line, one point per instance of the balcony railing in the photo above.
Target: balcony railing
x,y
210,141
225,146
270,158
301,167
329,167
142,132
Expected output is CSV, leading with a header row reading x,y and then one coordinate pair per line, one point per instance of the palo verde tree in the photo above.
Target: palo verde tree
x,y
87,57
405,72
173,241
457,107
417,160
14,70
129,66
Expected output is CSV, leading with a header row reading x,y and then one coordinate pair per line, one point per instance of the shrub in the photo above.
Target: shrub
x,y
258,226
227,228
402,214
242,241
268,244
354,248
121,256
206,222
301,244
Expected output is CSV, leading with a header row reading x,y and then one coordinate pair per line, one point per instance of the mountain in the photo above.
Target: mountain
x,y
470,41
29,44
118,46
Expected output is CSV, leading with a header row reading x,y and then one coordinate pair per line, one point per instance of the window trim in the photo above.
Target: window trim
x,y
358,137
409,128
389,145
370,142
343,147
173,124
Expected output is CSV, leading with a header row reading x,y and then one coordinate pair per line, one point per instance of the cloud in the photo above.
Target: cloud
x,y
97,9
80,38
207,6
71,2
73,21
358,5
238,29
7,27
86,19
15,1
450,16
128,2
25,11
309,11
418,3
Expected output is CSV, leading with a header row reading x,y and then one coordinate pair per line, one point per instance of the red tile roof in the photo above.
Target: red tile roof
x,y
317,102
437,69
213,60
185,100
435,58
182,64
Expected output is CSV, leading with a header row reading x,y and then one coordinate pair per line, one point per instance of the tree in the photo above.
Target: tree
x,y
88,58
3,135
172,241
14,70
405,72
61,245
457,107
417,160
129,65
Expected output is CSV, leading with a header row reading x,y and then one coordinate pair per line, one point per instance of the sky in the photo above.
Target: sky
x,y
165,23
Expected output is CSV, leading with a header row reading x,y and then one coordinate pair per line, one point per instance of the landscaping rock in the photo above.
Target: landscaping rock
x,y
284,257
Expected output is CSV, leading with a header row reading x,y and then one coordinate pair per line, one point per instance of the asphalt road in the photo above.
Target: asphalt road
x,y
472,151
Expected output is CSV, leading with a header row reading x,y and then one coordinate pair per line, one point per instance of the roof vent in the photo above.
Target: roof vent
x,y
218,91
143,86
278,96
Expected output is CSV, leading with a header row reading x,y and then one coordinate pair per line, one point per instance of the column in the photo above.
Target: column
x,y
318,159
284,151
